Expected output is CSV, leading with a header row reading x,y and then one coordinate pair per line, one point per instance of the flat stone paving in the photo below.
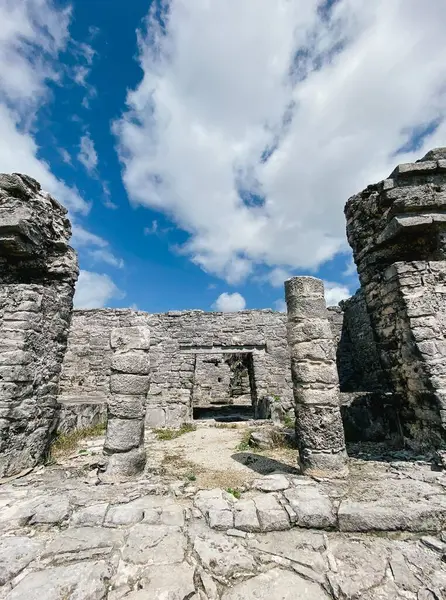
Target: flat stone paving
x,y
380,534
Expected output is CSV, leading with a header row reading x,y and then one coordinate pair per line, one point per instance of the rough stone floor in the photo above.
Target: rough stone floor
x,y
379,535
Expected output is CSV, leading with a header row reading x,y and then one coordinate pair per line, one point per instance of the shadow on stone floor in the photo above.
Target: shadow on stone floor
x,y
263,464
383,452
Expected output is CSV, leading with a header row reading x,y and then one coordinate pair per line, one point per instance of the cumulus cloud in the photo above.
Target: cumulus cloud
x,y
87,154
106,256
32,34
229,302
335,292
95,290
280,305
255,121
97,248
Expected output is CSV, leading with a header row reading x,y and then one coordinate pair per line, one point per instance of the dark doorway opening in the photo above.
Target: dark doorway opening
x,y
224,387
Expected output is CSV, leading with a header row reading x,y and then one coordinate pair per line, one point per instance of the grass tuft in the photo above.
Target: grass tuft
x,y
235,492
170,434
66,443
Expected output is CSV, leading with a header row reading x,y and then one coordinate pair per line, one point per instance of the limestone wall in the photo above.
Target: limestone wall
x,y
397,230
177,339
37,274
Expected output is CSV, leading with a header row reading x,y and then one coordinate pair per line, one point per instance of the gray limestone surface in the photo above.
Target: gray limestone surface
x,y
397,230
319,429
64,537
38,270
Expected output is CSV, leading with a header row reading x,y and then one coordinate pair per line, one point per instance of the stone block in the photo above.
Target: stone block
x,y
123,434
131,362
323,464
320,427
390,515
323,397
124,464
272,516
313,509
155,416
245,516
309,372
137,338
127,407
317,350
130,385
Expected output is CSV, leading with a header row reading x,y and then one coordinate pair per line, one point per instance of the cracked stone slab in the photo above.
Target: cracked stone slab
x,y
83,542
216,505
16,552
123,514
304,548
361,565
165,582
392,514
276,583
275,482
272,516
89,516
223,556
312,508
81,581
245,516
154,544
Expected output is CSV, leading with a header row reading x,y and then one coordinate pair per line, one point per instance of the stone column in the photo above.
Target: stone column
x,y
129,385
38,271
319,429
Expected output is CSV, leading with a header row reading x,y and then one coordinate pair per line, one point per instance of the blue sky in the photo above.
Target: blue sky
x,y
205,150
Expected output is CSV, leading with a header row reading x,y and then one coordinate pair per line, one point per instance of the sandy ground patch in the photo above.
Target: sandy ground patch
x,y
217,457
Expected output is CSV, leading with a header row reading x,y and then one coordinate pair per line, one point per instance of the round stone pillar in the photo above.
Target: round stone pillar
x,y
319,429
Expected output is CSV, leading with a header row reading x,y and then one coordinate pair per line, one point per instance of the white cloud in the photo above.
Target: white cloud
x,y
32,33
106,256
280,305
95,290
96,246
229,302
65,155
87,154
297,109
277,277
82,237
335,292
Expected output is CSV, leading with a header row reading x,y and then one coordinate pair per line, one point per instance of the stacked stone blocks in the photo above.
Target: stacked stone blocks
x,y
129,385
397,230
319,429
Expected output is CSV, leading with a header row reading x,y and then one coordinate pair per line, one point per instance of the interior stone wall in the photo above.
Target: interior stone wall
x,y
176,339
181,342
212,378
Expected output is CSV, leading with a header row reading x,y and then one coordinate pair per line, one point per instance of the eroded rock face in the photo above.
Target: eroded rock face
x,y
38,271
397,230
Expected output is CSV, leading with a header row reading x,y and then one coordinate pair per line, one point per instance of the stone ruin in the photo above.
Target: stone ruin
x,y
372,369
38,271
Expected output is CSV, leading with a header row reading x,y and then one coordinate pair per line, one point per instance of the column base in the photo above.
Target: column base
x,y
326,465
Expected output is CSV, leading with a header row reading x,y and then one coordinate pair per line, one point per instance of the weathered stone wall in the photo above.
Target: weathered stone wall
x,y
359,367
177,339
212,380
397,231
38,271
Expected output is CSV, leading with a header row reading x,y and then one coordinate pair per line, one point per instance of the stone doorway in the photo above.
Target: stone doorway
x,y
224,387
